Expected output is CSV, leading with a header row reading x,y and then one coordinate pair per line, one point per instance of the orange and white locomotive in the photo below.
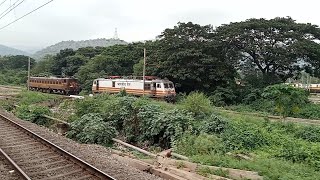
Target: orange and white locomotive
x,y
153,86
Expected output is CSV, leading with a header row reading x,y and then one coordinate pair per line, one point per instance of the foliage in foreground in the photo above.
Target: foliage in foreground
x,y
33,113
287,99
204,136
91,128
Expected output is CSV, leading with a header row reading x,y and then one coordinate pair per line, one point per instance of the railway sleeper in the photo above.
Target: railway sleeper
x,y
23,163
51,169
63,175
48,164
29,150
38,155
19,145
27,140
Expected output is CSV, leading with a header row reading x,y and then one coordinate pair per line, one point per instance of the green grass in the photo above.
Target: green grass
x,y
269,168
277,150
30,97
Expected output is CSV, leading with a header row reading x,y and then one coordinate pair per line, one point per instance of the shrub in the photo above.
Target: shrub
x,y
190,145
87,105
7,104
29,97
223,96
198,104
310,111
244,136
287,99
301,152
162,127
33,114
91,128
309,133
214,124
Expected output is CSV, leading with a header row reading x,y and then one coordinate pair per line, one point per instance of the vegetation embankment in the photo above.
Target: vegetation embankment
x,y
193,128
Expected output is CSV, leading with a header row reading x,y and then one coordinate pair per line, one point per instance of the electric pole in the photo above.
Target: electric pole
x,y
144,69
29,74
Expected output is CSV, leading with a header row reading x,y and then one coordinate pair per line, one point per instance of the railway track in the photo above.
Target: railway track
x,y
34,157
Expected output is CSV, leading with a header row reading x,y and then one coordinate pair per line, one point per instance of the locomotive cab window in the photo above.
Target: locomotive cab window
x,y
159,85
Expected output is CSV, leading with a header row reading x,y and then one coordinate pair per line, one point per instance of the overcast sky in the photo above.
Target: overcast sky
x,y
135,19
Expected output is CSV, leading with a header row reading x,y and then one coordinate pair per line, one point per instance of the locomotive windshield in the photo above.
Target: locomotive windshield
x,y
168,85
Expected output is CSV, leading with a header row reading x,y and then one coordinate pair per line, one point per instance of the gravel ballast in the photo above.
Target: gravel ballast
x,y
96,155
6,170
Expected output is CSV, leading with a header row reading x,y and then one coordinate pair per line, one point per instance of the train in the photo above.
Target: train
x,y
154,87
65,86
312,88
151,86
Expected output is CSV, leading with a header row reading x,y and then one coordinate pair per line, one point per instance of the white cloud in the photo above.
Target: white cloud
x,y
135,20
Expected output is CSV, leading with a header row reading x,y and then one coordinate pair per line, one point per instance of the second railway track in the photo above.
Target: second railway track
x,y
36,158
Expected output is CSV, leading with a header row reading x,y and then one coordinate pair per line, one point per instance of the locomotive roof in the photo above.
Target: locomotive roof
x,y
123,79
53,78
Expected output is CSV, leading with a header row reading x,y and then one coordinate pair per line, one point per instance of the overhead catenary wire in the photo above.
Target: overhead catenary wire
x,y
10,8
3,2
26,14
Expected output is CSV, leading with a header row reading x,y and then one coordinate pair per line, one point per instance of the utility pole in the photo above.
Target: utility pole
x,y
144,68
29,74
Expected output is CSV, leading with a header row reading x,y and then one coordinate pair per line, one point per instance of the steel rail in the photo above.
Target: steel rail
x,y
19,170
61,151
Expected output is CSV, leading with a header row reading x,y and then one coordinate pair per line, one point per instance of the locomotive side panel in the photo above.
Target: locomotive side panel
x,y
153,88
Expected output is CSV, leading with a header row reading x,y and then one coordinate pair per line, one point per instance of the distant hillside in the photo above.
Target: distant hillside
x,y
5,50
54,49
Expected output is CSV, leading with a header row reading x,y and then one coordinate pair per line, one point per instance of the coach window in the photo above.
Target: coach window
x,y
113,84
158,85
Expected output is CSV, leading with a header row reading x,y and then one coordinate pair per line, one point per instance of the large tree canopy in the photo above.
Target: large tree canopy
x,y
272,49
188,55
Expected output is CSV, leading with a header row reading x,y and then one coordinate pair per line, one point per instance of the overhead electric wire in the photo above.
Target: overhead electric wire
x,y
13,6
26,14
3,2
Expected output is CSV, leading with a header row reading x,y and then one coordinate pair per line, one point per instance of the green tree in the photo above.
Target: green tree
x,y
270,50
287,99
188,56
43,67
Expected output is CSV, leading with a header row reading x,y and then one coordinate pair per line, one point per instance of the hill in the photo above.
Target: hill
x,y
5,50
76,45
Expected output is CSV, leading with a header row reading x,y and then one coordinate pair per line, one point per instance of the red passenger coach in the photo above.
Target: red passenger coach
x,y
64,86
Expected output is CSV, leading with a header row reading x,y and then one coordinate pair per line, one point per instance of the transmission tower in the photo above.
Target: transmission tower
x,y
115,36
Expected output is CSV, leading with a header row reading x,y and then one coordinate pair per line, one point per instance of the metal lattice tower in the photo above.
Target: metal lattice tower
x,y
115,36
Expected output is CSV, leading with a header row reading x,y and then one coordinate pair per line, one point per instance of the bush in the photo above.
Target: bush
x,y
287,99
162,127
91,128
223,96
191,145
309,133
33,114
198,104
29,97
214,124
310,111
244,136
301,152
